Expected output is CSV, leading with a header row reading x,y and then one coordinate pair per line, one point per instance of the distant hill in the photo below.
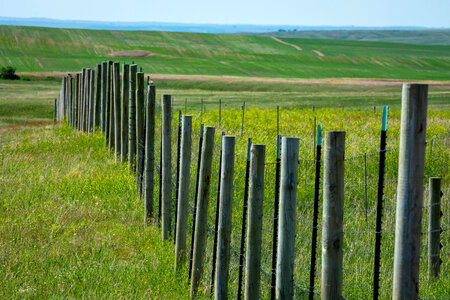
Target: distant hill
x,y
180,27
37,49
420,37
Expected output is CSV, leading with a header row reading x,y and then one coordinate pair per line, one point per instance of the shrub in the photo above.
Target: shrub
x,y
9,72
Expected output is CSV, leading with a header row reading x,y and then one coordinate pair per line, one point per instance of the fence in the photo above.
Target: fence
x,y
164,160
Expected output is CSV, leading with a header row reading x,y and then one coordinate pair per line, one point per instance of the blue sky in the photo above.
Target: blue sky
x,y
428,13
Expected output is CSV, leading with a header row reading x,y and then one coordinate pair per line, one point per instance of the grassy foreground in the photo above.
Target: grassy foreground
x,y
72,225
39,49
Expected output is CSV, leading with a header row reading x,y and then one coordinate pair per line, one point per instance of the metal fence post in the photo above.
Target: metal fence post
x,y
333,214
287,218
410,191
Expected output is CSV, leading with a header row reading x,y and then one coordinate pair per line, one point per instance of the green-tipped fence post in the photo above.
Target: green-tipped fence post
x,y
132,120
124,112
140,122
410,191
166,164
202,210
183,191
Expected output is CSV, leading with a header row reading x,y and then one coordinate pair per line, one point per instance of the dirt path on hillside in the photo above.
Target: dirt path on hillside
x,y
286,43
323,81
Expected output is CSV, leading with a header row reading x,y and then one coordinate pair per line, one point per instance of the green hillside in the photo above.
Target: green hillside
x,y
418,37
38,49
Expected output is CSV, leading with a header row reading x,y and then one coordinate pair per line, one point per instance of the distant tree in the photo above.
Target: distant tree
x,y
9,72
281,30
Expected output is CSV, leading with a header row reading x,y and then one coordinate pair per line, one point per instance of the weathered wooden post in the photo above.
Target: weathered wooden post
x,y
286,218
132,119
54,111
87,99
183,191
255,215
104,94
149,165
333,215
434,227
410,191
98,100
225,215
124,112
111,106
117,110
202,209
64,93
77,100
82,99
140,115
91,101
166,164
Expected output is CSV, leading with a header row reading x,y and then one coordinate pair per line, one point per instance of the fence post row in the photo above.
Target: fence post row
x,y
225,216
434,227
183,192
255,215
202,210
410,191
333,214
287,219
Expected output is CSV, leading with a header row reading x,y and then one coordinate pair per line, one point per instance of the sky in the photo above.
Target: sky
x,y
428,13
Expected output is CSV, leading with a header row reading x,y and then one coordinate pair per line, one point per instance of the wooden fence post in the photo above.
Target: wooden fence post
x,y
183,191
77,101
166,164
132,120
149,165
117,110
255,215
434,227
104,94
111,105
410,191
287,218
225,215
98,96
140,122
82,99
124,112
333,214
87,99
202,209
91,101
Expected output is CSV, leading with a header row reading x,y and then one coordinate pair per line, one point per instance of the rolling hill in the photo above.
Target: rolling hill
x,y
37,49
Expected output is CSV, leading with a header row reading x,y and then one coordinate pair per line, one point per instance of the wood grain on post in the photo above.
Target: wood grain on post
x,y
202,209
132,120
333,215
166,164
140,115
104,78
64,98
124,112
183,191
149,165
225,215
255,215
98,96
86,99
77,100
117,110
82,98
434,227
287,219
410,191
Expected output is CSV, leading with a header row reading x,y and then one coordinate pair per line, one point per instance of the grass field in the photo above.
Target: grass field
x,y
73,224
48,49
423,37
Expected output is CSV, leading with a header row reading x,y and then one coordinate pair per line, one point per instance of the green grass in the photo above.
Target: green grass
x,y
72,225
419,37
34,49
